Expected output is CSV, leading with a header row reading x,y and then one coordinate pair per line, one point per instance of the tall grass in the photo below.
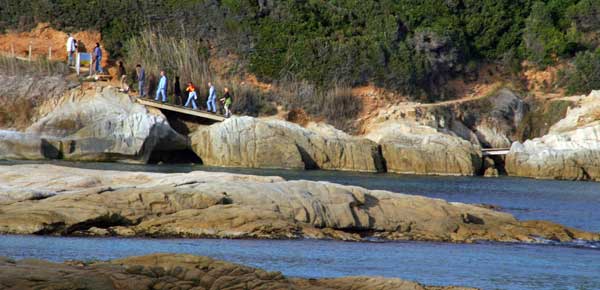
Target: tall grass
x,y
40,66
178,56
189,59
336,104
24,84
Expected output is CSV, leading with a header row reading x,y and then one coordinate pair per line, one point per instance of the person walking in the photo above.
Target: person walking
x,y
123,77
71,47
98,58
192,96
162,87
177,92
141,78
226,100
211,103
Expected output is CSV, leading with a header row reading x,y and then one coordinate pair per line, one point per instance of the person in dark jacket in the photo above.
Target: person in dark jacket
x,y
141,78
177,92
227,101
123,77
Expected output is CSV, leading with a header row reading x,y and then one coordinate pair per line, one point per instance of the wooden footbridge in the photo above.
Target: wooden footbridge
x,y
494,151
180,109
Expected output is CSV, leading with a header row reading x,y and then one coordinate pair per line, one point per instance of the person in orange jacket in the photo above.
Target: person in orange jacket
x,y
192,96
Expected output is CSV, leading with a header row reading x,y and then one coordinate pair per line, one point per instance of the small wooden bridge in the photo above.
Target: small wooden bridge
x,y
180,109
494,151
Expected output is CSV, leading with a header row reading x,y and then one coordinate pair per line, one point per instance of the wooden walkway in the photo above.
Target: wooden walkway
x,y
180,109
494,151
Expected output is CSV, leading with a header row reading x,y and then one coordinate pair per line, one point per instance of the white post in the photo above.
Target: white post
x,y
77,63
49,52
12,49
29,56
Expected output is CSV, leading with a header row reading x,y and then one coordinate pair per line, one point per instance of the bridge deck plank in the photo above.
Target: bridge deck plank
x,y
180,109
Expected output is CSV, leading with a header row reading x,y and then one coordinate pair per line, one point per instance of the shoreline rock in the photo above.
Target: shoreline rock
x,y
409,148
571,149
258,143
103,125
174,271
53,200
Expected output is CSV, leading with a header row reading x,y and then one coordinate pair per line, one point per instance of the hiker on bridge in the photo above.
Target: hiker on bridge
x,y
211,103
226,100
177,92
141,78
71,48
192,96
162,87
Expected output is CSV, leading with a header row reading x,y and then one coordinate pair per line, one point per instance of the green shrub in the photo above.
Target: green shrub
x,y
411,47
584,74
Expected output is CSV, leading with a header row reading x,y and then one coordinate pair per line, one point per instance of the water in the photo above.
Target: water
x,y
487,265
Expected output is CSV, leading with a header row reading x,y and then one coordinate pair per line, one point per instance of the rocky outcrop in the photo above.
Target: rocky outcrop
x,y
96,125
20,96
172,271
44,199
490,120
415,149
257,143
571,149
17,145
496,118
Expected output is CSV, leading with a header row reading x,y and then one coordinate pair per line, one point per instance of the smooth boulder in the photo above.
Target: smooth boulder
x,y
409,148
97,125
258,143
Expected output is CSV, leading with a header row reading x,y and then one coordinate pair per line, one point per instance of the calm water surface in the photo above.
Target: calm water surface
x,y
489,265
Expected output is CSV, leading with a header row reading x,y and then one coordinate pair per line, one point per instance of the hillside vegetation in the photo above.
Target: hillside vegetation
x,y
410,47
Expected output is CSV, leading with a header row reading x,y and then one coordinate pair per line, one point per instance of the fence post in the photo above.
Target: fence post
x,y
49,52
12,49
29,56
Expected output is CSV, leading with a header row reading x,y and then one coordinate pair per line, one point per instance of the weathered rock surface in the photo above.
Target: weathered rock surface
x,y
101,125
489,121
44,199
17,145
250,142
415,149
172,271
571,149
20,96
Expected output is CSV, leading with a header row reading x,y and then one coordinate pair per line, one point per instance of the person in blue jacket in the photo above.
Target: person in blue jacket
x,y
211,103
162,87
98,58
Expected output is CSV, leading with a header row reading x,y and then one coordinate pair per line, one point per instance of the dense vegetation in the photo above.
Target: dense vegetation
x,y
409,46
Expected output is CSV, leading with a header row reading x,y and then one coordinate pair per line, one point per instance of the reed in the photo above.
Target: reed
x,y
177,56
40,66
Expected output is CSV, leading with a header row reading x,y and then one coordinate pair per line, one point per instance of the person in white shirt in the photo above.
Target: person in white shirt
x,y
70,49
